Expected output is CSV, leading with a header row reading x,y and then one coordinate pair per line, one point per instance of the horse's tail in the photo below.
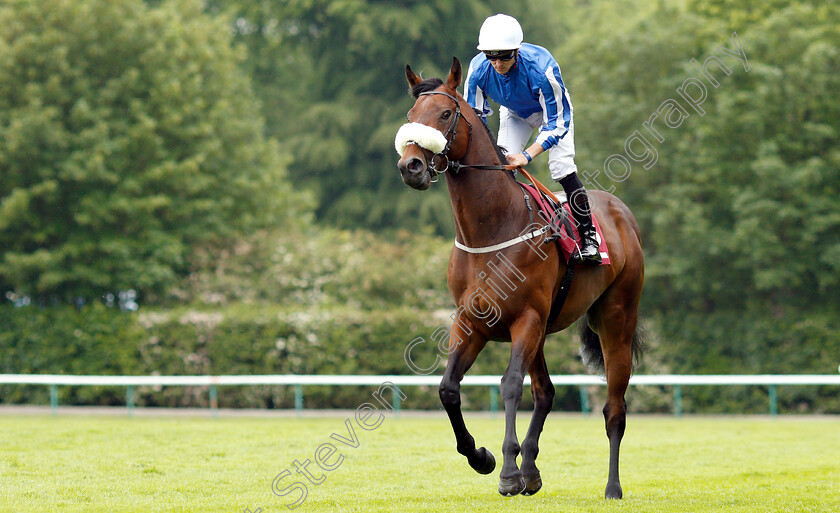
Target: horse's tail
x,y
590,349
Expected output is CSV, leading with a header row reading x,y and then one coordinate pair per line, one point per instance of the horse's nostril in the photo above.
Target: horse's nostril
x,y
415,165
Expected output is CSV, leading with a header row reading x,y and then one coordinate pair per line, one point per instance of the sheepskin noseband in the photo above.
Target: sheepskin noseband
x,y
422,135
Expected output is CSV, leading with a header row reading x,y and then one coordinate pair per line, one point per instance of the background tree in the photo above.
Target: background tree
x,y
331,76
135,154
128,135
739,217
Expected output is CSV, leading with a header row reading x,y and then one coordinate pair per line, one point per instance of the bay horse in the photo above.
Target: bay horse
x,y
488,207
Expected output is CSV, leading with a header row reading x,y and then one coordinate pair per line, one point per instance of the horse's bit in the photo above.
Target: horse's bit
x,y
455,166
451,132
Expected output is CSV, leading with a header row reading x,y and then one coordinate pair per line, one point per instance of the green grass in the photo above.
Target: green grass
x,y
702,464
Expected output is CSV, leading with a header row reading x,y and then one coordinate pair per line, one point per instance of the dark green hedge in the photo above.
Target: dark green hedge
x,y
244,339
754,341
64,340
101,340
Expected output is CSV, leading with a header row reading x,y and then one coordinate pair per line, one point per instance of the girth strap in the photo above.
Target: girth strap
x,y
562,294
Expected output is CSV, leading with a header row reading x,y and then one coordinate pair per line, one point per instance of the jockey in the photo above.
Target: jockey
x,y
524,79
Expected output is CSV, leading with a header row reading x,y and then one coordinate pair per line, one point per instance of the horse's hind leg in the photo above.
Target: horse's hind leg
x,y
543,391
615,415
464,346
616,331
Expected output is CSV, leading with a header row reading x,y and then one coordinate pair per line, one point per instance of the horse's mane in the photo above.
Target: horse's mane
x,y
499,151
425,86
430,84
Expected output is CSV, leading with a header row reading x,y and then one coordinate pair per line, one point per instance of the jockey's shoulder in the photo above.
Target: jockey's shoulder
x,y
536,55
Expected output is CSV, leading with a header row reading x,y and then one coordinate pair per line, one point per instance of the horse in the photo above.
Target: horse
x,y
516,305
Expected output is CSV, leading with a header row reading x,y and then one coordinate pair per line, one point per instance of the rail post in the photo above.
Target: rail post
x,y
584,400
129,399
774,400
54,399
214,400
395,402
494,400
298,399
678,401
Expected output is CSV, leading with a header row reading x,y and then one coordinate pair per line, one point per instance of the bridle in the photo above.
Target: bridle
x,y
451,132
456,166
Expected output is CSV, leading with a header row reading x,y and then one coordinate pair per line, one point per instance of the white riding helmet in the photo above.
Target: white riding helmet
x,y
500,32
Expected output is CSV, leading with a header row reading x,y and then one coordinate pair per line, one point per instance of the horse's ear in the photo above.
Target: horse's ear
x,y
454,78
413,79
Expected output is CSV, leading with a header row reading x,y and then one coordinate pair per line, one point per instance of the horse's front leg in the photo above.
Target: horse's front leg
x,y
464,345
543,391
526,341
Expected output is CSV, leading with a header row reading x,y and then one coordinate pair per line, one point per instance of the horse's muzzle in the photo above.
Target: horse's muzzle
x,y
415,173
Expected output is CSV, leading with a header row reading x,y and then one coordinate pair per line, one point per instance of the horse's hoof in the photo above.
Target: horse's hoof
x,y
489,462
533,483
613,491
510,486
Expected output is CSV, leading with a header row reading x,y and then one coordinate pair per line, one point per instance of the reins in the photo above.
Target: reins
x,y
566,281
450,134
456,166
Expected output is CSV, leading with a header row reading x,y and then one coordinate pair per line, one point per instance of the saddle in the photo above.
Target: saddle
x,y
555,209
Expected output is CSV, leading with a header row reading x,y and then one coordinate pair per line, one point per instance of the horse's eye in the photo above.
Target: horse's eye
x,y
446,114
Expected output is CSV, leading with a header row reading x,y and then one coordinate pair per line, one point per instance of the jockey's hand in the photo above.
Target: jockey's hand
x,y
517,159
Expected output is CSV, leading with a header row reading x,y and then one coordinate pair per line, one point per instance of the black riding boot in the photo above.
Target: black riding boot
x,y
581,211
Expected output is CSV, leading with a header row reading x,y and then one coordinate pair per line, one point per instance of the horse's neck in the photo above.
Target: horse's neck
x,y
487,204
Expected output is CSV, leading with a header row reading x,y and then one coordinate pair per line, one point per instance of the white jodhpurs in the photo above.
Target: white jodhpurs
x,y
515,132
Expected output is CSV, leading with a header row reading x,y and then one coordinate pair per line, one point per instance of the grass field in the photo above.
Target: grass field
x,y
702,464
